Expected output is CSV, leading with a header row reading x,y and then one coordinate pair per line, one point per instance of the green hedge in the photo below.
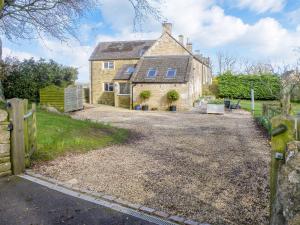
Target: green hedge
x,y
266,87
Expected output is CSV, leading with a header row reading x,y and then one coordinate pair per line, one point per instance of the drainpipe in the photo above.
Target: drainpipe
x,y
132,86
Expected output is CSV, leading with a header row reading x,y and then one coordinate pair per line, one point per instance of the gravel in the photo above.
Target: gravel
x,y
209,168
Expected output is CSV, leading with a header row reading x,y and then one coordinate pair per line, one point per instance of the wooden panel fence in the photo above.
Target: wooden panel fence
x,y
63,99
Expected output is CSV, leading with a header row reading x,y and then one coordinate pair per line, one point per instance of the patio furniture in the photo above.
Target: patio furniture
x,y
235,106
227,103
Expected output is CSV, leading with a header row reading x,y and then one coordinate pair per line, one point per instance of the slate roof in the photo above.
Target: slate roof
x,y
122,73
182,64
121,50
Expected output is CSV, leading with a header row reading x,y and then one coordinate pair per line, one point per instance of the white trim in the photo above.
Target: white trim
x,y
108,88
108,61
169,69
152,77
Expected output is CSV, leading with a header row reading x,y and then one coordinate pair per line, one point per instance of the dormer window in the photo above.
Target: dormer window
x,y
171,73
130,70
152,73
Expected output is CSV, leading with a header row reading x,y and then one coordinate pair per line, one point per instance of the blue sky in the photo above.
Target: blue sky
x,y
256,30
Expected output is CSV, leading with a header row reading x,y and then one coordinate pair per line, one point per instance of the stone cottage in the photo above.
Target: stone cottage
x,y
120,71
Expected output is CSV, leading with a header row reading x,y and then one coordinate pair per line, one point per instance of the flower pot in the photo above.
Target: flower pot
x,y
138,107
173,108
145,107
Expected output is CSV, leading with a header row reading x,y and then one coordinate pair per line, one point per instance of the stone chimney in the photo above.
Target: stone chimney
x,y
167,27
189,46
181,39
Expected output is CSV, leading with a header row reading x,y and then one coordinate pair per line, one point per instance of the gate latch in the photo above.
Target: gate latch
x,y
10,126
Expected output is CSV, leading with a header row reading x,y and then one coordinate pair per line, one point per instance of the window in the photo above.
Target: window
x,y
108,87
171,73
130,70
124,88
152,73
142,51
108,65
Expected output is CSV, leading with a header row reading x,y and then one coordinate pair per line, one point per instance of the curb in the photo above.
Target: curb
x,y
173,219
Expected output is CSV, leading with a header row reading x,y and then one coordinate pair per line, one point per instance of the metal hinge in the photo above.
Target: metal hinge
x,y
10,126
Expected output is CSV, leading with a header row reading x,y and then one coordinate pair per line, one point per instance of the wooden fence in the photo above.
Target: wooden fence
x,y
63,99
271,110
23,133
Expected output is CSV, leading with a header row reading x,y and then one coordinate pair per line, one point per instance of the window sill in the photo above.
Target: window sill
x,y
123,94
109,91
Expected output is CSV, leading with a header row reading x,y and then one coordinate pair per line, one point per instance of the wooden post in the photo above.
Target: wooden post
x,y
16,116
34,128
25,121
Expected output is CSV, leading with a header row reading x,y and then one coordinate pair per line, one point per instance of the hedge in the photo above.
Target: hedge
x,y
266,87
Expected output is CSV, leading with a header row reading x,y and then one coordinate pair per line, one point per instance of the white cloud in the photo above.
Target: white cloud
x,y
207,25
7,52
203,21
71,53
261,6
294,16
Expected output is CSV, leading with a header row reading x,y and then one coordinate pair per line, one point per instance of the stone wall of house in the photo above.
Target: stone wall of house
x,y
99,76
5,164
286,207
158,97
166,46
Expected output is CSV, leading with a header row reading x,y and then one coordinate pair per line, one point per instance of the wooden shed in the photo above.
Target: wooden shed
x,y
63,99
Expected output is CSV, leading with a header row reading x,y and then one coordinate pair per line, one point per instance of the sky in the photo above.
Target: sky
x,y
257,30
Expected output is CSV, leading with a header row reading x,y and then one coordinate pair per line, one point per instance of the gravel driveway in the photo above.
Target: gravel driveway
x,y
209,168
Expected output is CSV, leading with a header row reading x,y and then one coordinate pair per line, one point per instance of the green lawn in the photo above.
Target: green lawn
x,y
246,104
60,134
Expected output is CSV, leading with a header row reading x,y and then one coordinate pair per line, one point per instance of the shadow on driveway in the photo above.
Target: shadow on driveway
x,y
25,202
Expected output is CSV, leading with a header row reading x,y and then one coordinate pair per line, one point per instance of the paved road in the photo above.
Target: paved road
x,y
25,202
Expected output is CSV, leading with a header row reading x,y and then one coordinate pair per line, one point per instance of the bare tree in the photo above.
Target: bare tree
x,y
32,19
226,62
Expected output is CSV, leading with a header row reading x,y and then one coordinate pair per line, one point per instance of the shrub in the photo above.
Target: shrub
x,y
172,96
216,101
266,87
145,95
24,79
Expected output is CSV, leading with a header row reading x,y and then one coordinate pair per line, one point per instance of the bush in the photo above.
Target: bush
x,y
172,96
216,101
145,95
266,87
24,79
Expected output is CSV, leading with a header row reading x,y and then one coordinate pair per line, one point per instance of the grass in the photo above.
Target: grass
x,y
60,134
246,104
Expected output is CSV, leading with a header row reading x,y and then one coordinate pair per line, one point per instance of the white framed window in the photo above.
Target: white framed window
x,y
108,87
152,73
171,73
109,65
124,88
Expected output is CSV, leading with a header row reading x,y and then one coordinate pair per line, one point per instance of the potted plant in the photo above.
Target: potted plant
x,y
145,95
172,96
137,106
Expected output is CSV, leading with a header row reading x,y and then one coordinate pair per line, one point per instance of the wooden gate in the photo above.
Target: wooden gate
x,y
23,133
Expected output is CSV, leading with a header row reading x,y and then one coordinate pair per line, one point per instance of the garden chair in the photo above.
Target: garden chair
x,y
235,106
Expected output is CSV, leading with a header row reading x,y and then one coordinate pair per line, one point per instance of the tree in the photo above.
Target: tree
x,y
226,62
58,18
31,19
25,79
